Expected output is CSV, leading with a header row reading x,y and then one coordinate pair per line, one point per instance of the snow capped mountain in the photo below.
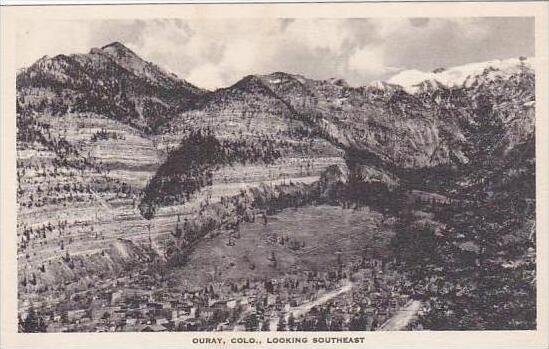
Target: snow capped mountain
x,y
415,80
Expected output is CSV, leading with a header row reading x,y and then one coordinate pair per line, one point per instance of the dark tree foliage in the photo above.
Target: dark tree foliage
x,y
479,273
32,323
252,323
190,167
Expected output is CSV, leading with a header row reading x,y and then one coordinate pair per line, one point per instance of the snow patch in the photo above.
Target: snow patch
x,y
411,80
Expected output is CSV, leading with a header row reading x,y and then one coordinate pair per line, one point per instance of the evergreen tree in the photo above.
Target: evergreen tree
x,y
252,323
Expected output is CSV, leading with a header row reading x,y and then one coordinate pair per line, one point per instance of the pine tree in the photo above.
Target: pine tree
x,y
252,323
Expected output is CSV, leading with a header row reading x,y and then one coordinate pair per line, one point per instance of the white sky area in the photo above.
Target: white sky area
x,y
216,53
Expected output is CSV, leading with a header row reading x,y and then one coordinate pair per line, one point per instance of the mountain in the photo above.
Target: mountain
x,y
462,76
112,81
382,129
257,136
127,59
112,150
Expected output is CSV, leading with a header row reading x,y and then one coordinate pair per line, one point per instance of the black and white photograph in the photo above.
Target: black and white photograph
x,y
287,174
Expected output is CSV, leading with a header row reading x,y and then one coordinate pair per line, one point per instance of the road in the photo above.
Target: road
x,y
306,307
402,317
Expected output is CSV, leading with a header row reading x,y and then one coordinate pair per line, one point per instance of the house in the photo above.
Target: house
x,y
74,315
161,320
98,313
183,318
118,314
206,313
239,327
116,297
176,313
231,303
166,305
85,319
252,299
219,305
223,326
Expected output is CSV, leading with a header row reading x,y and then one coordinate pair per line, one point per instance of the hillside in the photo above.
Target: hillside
x,y
85,151
257,137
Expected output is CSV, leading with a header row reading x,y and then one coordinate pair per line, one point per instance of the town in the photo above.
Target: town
x,y
358,296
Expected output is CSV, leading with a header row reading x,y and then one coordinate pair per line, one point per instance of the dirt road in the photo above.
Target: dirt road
x,y
306,307
402,318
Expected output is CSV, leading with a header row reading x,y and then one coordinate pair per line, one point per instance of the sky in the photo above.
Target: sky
x,y
216,53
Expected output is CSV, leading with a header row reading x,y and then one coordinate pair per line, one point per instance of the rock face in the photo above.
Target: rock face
x,y
102,136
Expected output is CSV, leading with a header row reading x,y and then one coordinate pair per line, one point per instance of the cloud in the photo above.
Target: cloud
x,y
368,60
472,28
207,75
214,53
36,39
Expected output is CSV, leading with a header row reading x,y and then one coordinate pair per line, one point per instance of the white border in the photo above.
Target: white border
x,y
450,339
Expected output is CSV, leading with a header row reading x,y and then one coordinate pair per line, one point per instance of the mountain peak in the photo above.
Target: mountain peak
x,y
129,60
282,77
338,82
250,83
117,49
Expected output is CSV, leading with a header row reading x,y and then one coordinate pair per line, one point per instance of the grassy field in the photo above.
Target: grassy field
x,y
327,232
